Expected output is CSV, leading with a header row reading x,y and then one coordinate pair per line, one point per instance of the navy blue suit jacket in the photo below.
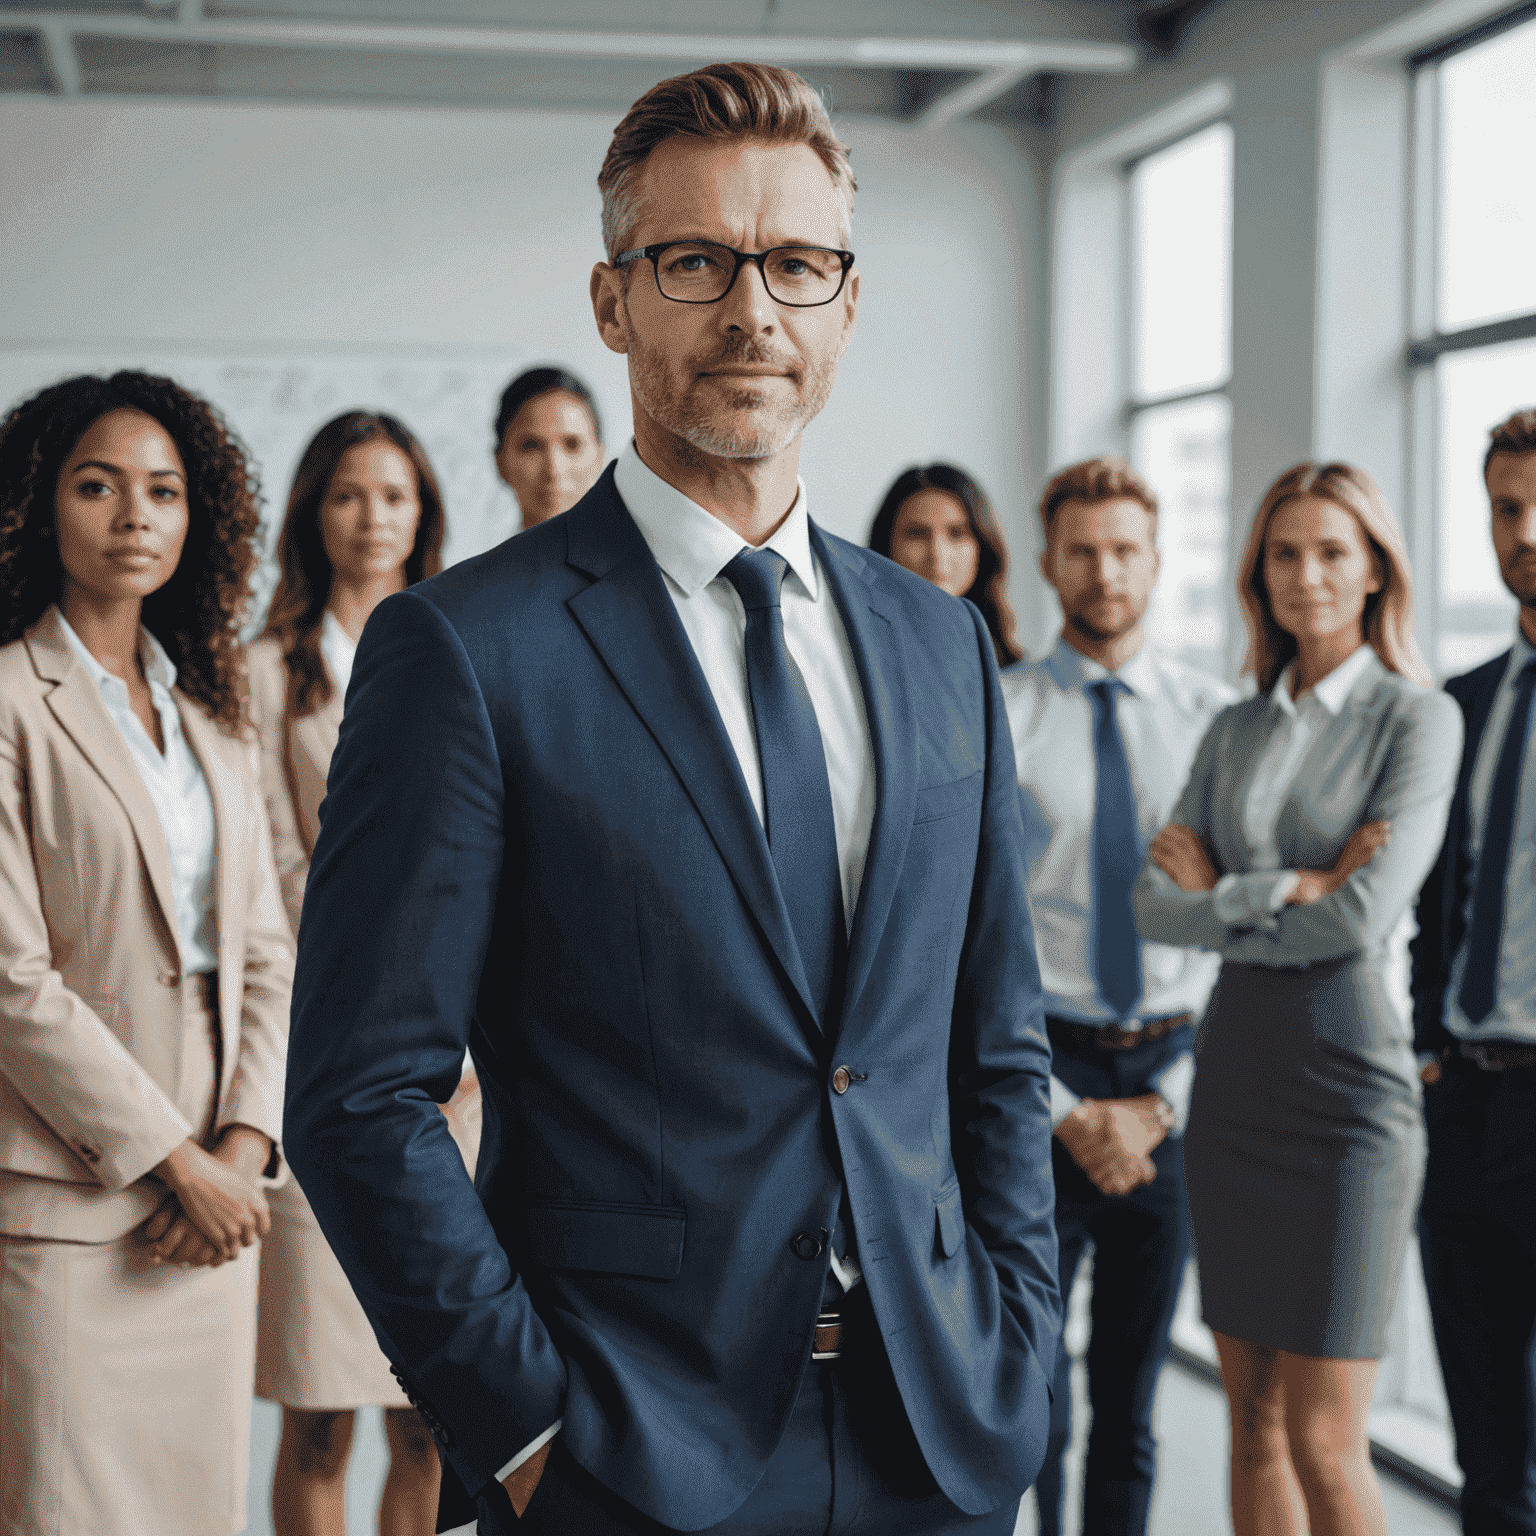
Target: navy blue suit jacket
x,y
538,840
1442,907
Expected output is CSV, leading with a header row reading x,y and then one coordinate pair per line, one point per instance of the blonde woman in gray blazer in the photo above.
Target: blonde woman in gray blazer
x,y
1311,816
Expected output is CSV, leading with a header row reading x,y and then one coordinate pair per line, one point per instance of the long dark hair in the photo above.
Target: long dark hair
x,y
990,589
304,586
534,382
197,614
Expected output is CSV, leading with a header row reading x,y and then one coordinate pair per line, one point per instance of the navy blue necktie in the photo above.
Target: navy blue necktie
x,y
1480,980
797,800
1115,948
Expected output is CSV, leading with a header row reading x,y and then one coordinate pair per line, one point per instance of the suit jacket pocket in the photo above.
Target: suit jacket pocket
x,y
949,1216
949,799
605,1238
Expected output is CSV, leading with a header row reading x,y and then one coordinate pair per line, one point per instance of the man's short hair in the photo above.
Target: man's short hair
x,y
1517,435
719,102
1103,479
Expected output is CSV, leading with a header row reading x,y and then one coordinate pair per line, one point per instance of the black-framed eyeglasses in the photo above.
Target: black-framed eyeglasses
x,y
702,272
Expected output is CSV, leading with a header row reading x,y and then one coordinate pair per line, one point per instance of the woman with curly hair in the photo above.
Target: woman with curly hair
x,y
145,967
937,522
364,520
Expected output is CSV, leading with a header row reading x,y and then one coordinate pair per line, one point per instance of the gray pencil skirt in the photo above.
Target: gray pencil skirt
x,y
1303,1156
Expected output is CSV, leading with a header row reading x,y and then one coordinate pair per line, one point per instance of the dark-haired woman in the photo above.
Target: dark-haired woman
x,y
364,520
145,967
937,522
549,442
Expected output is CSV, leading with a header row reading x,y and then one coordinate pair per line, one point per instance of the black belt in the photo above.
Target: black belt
x,y
1499,1055
1111,1037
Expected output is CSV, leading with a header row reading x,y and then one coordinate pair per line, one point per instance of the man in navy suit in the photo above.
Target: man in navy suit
x,y
699,827
1474,994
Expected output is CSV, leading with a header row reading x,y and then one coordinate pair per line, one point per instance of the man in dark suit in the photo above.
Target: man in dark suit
x,y
1474,996
698,825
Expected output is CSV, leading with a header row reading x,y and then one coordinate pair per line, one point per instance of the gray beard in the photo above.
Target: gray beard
x,y
759,442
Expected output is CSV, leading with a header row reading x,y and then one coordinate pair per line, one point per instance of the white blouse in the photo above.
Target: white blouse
x,y
177,790
337,650
1295,725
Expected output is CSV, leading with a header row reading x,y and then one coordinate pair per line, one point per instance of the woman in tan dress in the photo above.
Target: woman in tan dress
x,y
364,520
145,967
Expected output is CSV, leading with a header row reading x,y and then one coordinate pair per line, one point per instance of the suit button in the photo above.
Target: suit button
x,y
168,979
805,1246
840,1080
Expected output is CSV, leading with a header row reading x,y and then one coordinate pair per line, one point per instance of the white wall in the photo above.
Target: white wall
x,y
238,230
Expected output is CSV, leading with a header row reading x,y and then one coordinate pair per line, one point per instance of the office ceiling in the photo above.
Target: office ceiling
x,y
928,61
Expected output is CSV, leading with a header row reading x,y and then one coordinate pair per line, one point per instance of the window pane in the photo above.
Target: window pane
x,y
1478,390
1487,211
1181,218
1184,451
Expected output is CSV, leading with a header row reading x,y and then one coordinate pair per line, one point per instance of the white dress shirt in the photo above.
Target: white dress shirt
x,y
177,790
1254,897
692,547
1514,1008
1162,719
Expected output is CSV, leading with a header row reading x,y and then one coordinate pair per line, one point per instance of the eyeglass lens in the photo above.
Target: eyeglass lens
x,y
699,272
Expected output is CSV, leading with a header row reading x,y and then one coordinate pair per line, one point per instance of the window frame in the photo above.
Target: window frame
x,y
1132,404
1426,342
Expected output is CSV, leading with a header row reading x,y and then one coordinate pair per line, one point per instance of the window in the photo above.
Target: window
x,y
1177,410
1474,359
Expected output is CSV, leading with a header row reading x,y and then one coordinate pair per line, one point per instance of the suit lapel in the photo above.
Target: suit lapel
x,y
208,748
77,705
632,623
317,733
1477,723
892,715
229,853
1480,706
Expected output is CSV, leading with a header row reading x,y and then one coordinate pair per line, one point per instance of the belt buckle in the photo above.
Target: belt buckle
x,y
1481,1057
1117,1037
829,1331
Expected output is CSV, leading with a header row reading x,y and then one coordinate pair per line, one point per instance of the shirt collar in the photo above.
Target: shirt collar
x,y
1072,669
1331,691
693,546
332,633
159,669
1522,653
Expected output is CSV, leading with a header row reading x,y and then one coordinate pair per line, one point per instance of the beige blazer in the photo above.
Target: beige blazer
x,y
295,760
90,966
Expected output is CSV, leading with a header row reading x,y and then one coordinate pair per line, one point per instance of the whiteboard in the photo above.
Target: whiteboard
x,y
276,400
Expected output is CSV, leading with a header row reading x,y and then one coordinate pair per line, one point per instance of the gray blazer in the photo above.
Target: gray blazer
x,y
1390,753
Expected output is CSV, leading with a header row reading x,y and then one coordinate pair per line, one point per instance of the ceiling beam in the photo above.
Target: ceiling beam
x,y
59,46
993,56
971,96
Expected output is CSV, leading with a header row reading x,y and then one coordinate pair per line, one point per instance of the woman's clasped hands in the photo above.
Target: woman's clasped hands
x,y
216,1205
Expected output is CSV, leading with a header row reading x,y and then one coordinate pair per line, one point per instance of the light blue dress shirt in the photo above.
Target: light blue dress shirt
x,y
1514,1009
1162,719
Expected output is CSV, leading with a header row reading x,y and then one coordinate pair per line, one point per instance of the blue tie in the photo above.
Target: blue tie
x,y
1115,949
797,802
1480,980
